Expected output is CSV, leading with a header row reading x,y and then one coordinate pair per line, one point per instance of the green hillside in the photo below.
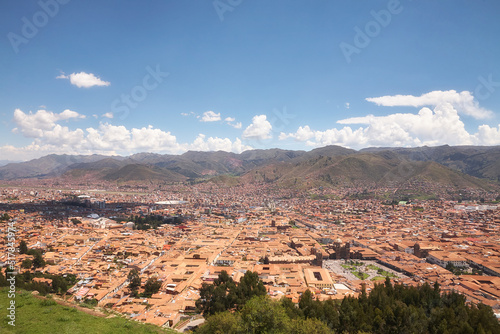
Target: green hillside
x,y
40,316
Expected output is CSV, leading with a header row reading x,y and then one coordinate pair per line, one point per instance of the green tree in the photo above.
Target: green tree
x,y
264,259
330,314
151,287
262,315
59,284
76,221
23,248
3,279
224,294
291,310
134,281
307,326
217,297
26,264
38,261
250,285
221,323
306,304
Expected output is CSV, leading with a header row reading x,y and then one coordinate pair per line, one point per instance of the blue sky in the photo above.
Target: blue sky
x,y
121,77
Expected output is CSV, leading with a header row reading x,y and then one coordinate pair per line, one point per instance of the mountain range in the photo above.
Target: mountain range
x,y
457,166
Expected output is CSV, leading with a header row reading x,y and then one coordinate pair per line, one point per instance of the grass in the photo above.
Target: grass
x,y
352,265
378,278
348,267
372,267
360,275
385,273
34,315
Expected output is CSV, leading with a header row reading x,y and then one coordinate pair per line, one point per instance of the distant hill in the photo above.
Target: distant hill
x,y
383,168
138,172
479,161
50,165
6,162
459,166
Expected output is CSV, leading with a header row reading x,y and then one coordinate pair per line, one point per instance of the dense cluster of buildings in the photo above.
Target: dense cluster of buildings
x,y
293,242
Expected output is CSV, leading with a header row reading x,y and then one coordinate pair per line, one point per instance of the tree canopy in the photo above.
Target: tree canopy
x,y
387,308
151,287
23,248
134,281
224,294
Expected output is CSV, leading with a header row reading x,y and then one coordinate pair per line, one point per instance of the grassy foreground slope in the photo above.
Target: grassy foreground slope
x,y
40,316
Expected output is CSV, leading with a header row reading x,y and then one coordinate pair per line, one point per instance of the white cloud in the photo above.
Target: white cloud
x,y
302,134
51,137
428,127
259,129
231,122
487,135
108,115
347,105
117,138
201,143
463,102
34,125
210,116
83,79
237,125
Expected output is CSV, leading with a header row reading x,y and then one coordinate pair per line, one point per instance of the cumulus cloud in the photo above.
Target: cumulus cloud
x,y
487,135
84,80
463,102
118,138
201,143
34,125
108,115
428,127
259,129
210,116
51,137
